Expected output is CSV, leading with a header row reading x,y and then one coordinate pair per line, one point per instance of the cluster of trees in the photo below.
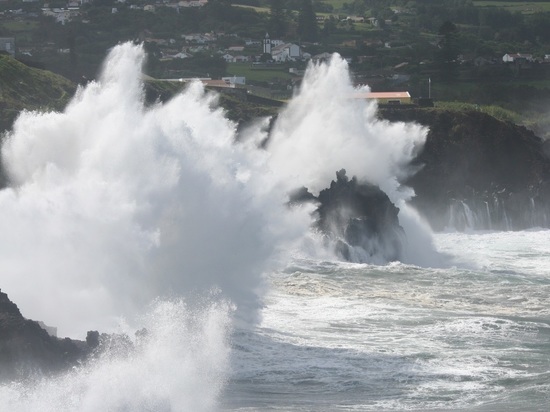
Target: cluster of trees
x,y
427,30
283,21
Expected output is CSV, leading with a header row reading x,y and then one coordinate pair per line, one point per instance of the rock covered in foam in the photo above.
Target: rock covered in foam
x,y
359,218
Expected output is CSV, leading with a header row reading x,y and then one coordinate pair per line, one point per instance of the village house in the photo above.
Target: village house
x,y
178,55
236,49
7,44
511,58
280,51
229,58
241,80
61,15
286,52
200,38
194,3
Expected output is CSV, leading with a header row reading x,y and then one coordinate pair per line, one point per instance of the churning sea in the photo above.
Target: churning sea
x,y
474,336
122,215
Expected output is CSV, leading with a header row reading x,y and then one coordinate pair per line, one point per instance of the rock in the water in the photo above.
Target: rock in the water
x,y
359,218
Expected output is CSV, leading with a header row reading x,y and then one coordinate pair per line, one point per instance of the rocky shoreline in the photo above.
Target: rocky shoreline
x,y
478,172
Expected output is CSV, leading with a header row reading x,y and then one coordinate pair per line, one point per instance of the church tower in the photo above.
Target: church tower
x,y
267,44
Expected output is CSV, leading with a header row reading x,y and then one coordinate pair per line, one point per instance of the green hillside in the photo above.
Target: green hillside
x,y
23,87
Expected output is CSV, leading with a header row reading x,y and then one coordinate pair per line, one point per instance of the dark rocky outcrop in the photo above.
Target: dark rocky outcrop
x,y
26,349
358,217
478,171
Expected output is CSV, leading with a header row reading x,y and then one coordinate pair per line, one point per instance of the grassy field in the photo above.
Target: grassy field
x,y
257,9
278,72
495,111
23,87
337,4
21,29
521,6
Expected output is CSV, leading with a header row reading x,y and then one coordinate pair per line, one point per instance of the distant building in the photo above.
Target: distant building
x,y
389,98
235,80
61,15
198,3
7,44
229,58
510,58
286,52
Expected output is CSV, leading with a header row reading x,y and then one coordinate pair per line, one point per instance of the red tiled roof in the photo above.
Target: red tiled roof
x,y
383,95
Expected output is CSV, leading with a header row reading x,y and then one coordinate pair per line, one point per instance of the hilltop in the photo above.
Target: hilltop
x,y
27,88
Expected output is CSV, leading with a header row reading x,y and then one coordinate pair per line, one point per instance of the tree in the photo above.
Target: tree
x,y
447,54
277,21
307,22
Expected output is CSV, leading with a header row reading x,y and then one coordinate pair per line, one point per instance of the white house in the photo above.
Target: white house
x,y
235,80
61,15
510,58
201,38
7,44
198,3
181,55
286,52
241,59
252,42
228,58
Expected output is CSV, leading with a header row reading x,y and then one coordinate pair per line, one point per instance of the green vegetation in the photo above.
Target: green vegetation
x,y
525,7
495,111
259,74
26,88
390,44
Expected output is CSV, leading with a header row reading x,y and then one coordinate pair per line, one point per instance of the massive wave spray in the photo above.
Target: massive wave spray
x,y
114,204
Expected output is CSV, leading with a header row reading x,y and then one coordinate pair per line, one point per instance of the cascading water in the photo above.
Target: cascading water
x,y
496,212
114,205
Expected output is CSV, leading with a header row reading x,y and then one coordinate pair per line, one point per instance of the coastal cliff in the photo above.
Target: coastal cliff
x,y
26,349
479,172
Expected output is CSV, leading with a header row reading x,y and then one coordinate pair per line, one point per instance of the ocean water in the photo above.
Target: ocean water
x,y
474,336
121,215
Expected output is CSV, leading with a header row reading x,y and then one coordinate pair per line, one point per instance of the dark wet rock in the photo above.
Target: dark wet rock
x,y
477,171
358,218
27,349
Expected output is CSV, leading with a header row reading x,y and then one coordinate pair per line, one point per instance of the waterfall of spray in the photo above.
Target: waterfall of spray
x,y
324,129
180,366
114,204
